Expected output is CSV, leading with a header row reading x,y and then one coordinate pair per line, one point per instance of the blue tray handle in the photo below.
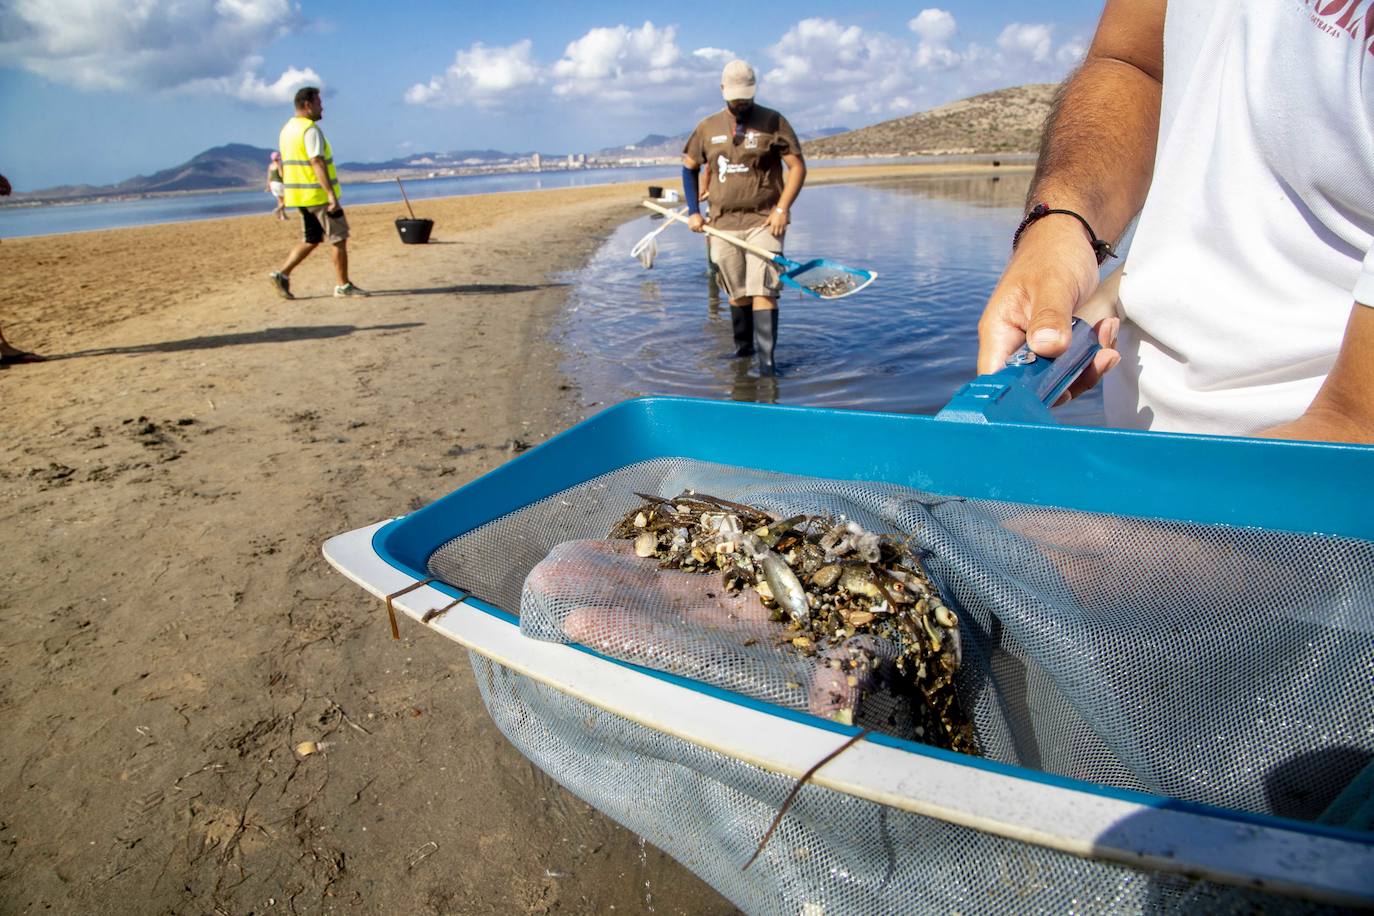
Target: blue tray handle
x,y
1023,391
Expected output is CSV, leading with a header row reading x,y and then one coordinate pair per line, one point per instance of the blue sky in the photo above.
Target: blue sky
x,y
96,91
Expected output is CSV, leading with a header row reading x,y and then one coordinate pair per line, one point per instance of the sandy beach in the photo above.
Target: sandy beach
x,y
170,631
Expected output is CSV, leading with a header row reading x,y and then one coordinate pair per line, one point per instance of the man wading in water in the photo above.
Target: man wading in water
x,y
745,146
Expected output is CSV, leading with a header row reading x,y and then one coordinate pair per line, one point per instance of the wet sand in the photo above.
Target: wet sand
x,y
168,628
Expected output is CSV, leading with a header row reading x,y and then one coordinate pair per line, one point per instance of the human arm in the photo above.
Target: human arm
x,y
780,216
691,192
1343,410
322,176
314,148
1096,159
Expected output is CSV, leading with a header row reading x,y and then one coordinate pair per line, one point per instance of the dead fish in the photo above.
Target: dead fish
x,y
787,589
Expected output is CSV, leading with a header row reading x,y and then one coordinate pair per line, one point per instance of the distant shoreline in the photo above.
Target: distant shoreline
x,y
22,200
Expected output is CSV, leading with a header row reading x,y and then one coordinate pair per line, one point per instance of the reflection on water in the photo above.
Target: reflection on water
x,y
905,344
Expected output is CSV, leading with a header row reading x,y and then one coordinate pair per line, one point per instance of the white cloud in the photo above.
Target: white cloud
x,y
486,77
1033,41
823,69
717,56
247,86
825,72
936,27
620,65
1071,53
202,45
819,72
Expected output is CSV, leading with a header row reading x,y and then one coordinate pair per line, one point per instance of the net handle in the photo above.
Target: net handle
x,y
725,236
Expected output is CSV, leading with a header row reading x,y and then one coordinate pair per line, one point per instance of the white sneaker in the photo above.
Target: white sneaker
x,y
348,291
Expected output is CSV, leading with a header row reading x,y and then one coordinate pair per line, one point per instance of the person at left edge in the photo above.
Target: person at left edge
x,y
745,146
10,354
311,185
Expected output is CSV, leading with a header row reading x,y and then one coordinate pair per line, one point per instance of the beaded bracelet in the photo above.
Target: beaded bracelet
x,y
1102,248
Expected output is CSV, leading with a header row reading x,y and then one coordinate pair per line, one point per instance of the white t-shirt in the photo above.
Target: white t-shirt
x,y
314,141
1256,235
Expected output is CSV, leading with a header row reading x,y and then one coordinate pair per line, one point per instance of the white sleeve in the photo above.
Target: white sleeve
x,y
314,142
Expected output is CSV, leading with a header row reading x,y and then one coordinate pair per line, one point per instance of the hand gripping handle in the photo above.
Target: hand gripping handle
x,y
1024,389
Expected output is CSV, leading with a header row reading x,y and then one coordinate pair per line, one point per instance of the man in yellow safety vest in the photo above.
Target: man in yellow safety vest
x,y
311,186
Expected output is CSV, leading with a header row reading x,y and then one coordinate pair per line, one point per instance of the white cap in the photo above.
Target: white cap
x,y
737,81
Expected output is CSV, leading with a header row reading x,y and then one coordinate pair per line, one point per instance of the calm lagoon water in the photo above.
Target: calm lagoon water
x,y
54,219
905,344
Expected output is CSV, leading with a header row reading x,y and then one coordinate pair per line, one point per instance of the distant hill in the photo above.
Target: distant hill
x,y
234,165
653,146
658,146
807,136
231,166
1004,121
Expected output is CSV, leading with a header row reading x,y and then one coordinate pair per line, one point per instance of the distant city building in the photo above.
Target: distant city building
x,y
534,161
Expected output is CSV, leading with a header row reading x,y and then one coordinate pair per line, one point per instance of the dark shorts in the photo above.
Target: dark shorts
x,y
333,227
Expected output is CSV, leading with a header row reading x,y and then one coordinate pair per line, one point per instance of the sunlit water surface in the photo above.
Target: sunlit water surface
x,y
905,344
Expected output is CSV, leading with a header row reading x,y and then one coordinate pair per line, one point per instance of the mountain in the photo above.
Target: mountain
x,y
653,146
231,166
1004,121
658,146
234,165
807,136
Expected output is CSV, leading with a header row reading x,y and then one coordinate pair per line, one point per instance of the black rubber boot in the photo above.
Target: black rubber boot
x,y
765,338
742,322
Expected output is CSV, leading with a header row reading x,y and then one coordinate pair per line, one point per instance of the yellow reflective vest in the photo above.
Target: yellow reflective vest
x,y
302,188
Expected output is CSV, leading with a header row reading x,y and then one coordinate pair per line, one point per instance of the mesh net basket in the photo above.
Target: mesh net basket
x,y
1219,665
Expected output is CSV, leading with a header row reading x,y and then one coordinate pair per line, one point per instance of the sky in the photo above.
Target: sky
x,y
97,91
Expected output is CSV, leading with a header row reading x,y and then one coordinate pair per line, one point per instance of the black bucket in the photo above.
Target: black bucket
x,y
414,231
655,192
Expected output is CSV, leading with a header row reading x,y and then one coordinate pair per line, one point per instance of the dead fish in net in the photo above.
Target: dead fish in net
x,y
834,286
828,581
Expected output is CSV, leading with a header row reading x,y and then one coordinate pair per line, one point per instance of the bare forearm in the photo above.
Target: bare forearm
x,y
1097,153
792,183
322,176
1343,410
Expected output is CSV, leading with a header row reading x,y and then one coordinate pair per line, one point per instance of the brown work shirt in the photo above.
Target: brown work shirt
x,y
745,164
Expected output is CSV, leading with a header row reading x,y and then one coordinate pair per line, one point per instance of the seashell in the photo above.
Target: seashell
x,y
945,617
641,520
764,591
306,748
826,576
700,555
646,544
859,618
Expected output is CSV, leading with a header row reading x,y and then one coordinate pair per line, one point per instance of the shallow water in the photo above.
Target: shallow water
x,y
54,219
905,344
17,221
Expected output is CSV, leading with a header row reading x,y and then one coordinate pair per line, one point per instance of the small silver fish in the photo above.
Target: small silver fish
x,y
786,587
